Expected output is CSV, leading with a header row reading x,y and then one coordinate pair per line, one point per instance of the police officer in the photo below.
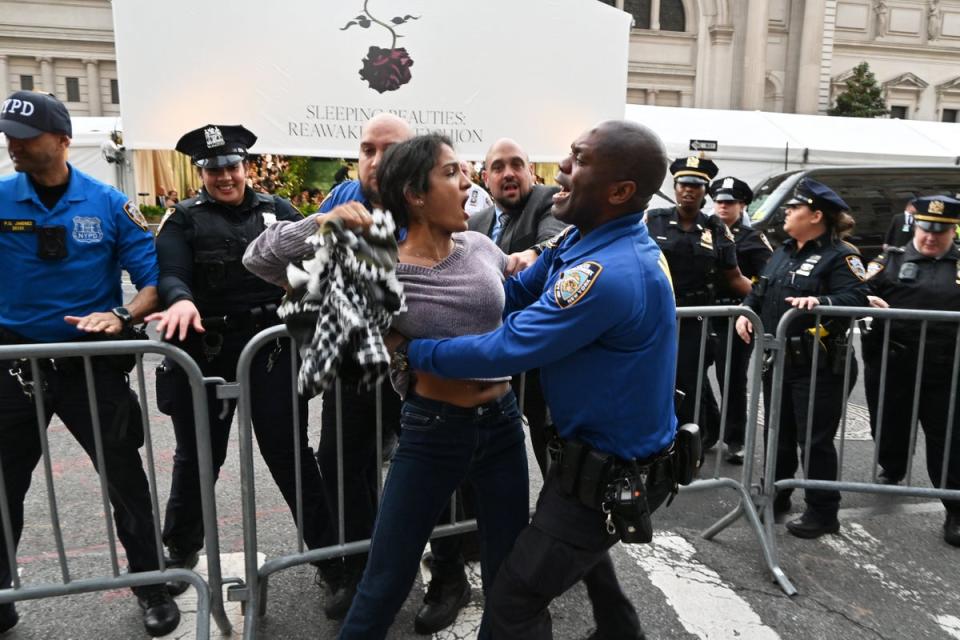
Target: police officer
x,y
701,253
730,198
64,238
813,267
596,313
924,274
214,306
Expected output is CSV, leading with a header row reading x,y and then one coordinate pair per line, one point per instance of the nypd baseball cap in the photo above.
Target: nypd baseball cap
x,y
27,114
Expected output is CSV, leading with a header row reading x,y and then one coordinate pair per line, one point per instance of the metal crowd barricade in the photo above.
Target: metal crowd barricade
x,y
747,505
209,600
777,345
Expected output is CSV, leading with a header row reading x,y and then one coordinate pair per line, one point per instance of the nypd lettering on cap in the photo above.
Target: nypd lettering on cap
x,y
574,283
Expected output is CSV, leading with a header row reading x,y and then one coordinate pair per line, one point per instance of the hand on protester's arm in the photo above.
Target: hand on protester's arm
x,y
394,339
744,329
877,302
517,262
107,322
179,318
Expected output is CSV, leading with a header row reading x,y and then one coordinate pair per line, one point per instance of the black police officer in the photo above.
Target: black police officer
x,y
924,274
701,253
730,198
214,306
813,267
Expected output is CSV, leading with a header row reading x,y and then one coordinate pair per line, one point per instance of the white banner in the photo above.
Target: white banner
x,y
304,75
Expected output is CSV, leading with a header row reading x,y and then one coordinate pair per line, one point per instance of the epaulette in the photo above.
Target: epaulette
x,y
555,241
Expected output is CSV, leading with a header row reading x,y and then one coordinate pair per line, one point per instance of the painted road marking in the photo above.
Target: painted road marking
x,y
231,564
950,624
704,604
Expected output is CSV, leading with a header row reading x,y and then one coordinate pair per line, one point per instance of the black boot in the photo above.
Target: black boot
x,y
8,617
160,613
951,529
341,590
446,595
813,524
180,559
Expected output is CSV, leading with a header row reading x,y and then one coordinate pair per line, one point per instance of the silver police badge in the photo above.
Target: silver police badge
x,y
87,230
213,137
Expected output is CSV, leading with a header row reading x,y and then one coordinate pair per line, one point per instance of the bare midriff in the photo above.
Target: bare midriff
x,y
459,393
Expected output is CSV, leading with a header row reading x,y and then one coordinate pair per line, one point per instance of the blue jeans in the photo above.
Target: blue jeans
x,y
441,446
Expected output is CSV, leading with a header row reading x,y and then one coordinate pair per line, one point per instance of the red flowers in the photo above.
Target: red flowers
x,y
386,69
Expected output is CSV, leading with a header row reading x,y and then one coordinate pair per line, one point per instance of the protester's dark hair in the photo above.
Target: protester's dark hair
x,y
407,165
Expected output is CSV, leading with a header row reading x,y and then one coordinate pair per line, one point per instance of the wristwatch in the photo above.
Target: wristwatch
x,y
398,360
125,316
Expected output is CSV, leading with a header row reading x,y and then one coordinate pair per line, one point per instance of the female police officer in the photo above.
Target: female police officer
x,y
701,253
214,307
922,274
815,266
730,198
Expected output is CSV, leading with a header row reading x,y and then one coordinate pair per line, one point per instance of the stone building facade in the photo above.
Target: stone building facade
x,y
771,55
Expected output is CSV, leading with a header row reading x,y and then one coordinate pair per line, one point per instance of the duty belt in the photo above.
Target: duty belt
x,y
251,321
699,298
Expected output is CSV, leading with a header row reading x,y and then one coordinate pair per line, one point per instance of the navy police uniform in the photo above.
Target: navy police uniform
x,y
696,255
62,250
753,252
831,270
200,245
597,315
905,278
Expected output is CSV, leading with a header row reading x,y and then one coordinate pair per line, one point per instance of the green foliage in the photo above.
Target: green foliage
x,y
863,97
293,178
152,212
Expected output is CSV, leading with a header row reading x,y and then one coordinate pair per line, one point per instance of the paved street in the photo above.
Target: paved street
x,y
888,574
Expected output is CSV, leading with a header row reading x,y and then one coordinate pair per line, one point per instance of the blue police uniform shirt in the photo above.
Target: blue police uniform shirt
x,y
348,191
597,315
101,239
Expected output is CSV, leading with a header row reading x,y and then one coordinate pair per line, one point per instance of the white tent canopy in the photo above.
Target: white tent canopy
x,y
754,145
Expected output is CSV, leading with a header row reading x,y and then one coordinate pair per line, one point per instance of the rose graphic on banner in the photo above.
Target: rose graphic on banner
x,y
384,69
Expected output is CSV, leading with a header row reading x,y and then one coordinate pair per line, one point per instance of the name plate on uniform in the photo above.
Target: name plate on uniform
x,y
17,226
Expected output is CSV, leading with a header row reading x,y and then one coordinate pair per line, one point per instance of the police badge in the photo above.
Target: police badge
x,y
213,137
574,283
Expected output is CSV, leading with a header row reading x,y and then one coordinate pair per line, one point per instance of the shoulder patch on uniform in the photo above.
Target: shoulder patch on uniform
x,y
856,266
874,268
166,216
574,283
133,212
765,242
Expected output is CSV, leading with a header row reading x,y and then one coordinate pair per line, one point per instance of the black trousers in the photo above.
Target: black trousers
x,y
122,433
272,417
566,542
736,391
689,375
935,392
360,460
828,403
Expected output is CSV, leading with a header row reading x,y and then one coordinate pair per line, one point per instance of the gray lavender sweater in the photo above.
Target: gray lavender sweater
x,y
462,295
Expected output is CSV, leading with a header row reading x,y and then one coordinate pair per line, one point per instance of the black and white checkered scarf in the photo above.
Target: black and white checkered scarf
x,y
344,299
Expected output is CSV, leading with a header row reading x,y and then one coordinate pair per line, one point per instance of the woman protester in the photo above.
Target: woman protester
x,y
815,266
451,430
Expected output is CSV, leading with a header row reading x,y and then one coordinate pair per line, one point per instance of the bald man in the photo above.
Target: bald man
x,y
596,313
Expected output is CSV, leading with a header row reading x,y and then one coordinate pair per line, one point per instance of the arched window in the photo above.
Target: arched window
x,y
664,15
672,17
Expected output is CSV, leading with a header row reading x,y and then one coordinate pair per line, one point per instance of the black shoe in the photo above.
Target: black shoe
x,y
8,617
340,594
160,613
813,525
180,560
781,504
735,454
443,601
951,529
885,477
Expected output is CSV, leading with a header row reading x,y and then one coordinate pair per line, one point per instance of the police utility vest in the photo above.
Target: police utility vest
x,y
219,236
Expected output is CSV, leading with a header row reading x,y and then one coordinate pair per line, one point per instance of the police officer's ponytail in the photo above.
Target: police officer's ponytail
x,y
840,224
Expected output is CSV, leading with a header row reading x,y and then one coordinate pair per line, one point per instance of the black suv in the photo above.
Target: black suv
x,y
874,194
